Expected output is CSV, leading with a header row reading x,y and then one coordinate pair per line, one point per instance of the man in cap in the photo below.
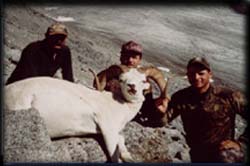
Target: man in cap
x,y
131,56
45,57
208,115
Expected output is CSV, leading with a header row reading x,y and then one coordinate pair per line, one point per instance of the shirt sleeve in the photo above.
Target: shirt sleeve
x,y
67,71
26,67
173,109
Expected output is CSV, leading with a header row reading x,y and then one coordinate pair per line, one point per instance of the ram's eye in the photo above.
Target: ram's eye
x,y
144,81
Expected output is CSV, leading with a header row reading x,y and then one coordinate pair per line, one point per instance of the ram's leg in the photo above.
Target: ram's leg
x,y
124,153
115,156
110,134
111,139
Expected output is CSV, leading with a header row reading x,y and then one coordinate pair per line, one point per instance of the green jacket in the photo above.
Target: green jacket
x,y
209,118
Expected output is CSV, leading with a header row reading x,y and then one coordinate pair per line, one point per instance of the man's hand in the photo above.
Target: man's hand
x,y
162,104
230,152
229,144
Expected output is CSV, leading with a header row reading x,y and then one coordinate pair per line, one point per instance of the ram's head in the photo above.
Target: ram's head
x,y
133,83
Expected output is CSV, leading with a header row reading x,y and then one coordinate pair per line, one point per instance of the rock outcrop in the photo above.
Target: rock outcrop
x,y
26,140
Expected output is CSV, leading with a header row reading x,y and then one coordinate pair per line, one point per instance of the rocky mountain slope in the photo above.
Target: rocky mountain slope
x,y
170,36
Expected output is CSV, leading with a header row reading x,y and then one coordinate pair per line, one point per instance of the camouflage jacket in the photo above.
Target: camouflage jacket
x,y
209,118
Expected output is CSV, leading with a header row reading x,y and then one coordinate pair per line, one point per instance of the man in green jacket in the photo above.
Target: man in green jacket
x,y
208,115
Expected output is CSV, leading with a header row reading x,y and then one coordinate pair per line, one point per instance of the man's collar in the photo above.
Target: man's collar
x,y
209,90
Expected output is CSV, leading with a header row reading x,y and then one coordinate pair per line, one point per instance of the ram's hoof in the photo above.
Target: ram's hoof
x,y
127,158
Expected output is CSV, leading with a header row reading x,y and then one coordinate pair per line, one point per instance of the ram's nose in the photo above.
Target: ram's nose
x,y
131,86
132,89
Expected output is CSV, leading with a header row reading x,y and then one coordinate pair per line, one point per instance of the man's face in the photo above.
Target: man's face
x,y
56,41
130,60
199,77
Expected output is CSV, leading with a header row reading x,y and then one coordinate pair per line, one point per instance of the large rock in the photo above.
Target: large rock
x,y
82,149
155,144
26,139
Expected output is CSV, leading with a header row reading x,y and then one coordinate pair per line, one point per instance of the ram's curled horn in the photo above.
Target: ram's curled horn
x,y
156,74
96,80
113,72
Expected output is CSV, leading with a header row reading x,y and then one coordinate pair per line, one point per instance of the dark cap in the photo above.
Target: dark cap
x,y
57,29
199,61
131,47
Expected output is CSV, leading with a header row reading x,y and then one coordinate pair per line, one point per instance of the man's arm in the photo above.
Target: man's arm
x,y
26,67
169,107
239,104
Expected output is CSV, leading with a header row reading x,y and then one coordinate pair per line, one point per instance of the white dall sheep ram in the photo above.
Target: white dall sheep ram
x,y
70,109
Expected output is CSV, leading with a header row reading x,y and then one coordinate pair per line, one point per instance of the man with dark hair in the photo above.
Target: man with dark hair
x,y
45,57
208,115
131,55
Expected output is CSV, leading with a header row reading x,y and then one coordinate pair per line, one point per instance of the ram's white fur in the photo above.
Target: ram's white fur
x,y
71,109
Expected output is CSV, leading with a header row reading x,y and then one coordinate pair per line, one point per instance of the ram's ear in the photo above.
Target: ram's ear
x,y
146,85
121,78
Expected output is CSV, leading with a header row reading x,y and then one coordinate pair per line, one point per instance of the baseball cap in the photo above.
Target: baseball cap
x,y
57,29
131,47
199,61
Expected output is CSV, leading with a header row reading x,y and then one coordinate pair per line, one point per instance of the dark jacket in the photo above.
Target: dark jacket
x,y
208,119
38,59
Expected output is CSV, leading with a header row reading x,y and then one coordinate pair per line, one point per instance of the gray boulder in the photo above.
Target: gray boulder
x,y
26,140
